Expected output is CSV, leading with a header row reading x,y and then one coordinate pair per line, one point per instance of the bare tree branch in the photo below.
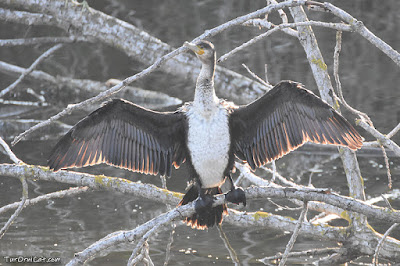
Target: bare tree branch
x,y
86,87
338,48
394,131
102,95
132,235
312,252
357,237
31,68
139,44
232,252
39,40
389,175
166,196
378,247
293,238
19,209
9,152
257,77
24,17
382,139
358,26
275,29
321,76
58,194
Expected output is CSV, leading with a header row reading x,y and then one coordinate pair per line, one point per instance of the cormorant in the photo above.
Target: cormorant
x,y
207,133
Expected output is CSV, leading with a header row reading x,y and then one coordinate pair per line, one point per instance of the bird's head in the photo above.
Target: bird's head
x,y
204,50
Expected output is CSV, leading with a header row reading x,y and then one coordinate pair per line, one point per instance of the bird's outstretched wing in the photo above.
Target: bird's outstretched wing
x,y
284,119
123,134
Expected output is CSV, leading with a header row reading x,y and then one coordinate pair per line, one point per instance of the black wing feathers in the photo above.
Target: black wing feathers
x,y
284,119
124,135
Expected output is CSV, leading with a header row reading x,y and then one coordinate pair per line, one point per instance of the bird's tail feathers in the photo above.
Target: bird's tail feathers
x,y
207,217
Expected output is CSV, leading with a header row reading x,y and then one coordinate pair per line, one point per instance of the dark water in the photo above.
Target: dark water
x,y
62,227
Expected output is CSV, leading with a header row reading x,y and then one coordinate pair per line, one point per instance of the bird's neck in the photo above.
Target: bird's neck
x,y
205,97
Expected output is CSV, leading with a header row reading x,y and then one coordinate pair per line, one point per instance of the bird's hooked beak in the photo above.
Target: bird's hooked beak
x,y
195,48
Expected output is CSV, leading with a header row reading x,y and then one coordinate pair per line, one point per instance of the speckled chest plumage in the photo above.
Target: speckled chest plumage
x,y
208,144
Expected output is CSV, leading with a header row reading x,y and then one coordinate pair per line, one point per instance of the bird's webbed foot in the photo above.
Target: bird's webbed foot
x,y
236,195
203,202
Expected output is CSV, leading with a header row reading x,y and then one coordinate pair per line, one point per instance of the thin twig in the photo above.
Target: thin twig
x,y
20,207
338,48
147,259
143,256
284,19
359,27
378,247
387,202
389,175
23,103
276,175
242,19
232,252
382,139
257,77
312,252
274,172
31,68
266,73
394,131
173,226
142,242
138,258
21,204
58,194
284,207
269,32
169,245
324,218
9,152
293,238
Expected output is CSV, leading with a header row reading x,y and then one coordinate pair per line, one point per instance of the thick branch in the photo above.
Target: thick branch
x,y
256,219
26,18
319,69
137,44
166,196
39,40
89,88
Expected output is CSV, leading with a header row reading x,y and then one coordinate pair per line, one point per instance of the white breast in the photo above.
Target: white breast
x,y
208,143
